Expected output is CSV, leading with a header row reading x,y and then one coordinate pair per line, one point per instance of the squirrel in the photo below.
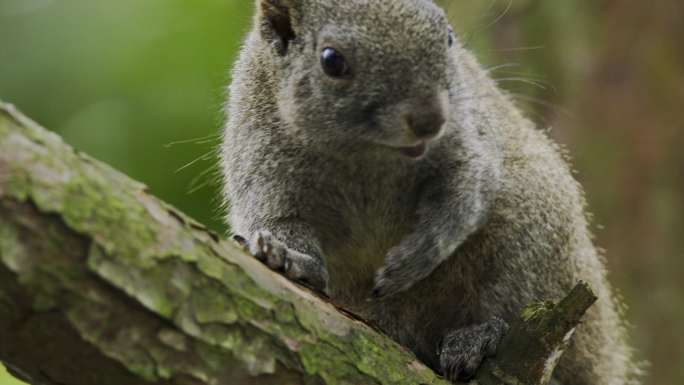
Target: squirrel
x,y
368,155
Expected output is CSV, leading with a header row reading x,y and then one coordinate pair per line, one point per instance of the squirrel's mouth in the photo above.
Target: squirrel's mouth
x,y
414,152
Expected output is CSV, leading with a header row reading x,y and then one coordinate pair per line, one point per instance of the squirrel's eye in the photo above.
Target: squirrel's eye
x,y
451,37
334,63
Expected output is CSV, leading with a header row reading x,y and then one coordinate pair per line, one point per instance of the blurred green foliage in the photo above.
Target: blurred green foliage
x,y
140,85
122,80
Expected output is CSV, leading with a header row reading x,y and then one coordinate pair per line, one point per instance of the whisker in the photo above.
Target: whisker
x,y
498,67
544,103
203,157
202,177
517,49
474,97
469,36
531,82
501,16
525,75
201,140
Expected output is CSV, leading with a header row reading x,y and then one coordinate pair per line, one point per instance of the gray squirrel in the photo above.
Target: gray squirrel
x,y
369,156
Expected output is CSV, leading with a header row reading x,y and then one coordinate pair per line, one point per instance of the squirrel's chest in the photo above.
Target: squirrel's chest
x,y
373,214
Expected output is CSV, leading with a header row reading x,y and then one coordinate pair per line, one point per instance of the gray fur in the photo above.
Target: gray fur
x,y
488,220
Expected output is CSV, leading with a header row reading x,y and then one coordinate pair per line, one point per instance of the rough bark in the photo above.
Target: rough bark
x,y
101,283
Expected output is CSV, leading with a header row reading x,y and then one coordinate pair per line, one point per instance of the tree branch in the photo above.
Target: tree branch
x,y
101,283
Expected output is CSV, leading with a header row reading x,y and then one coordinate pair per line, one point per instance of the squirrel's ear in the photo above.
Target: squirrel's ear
x,y
278,22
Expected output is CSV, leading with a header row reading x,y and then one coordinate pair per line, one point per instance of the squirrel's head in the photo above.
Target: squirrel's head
x,y
361,72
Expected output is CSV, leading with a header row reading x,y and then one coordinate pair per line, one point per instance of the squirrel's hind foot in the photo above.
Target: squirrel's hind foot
x,y
463,350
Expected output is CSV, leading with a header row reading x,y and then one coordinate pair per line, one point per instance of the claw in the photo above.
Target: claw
x,y
241,241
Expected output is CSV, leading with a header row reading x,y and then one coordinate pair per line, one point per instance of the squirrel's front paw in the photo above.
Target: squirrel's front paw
x,y
463,350
405,265
389,281
296,266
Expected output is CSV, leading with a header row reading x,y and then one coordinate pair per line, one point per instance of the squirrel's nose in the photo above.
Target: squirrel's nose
x,y
426,124
425,116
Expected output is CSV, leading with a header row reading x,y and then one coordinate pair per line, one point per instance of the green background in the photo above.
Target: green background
x,y
140,85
